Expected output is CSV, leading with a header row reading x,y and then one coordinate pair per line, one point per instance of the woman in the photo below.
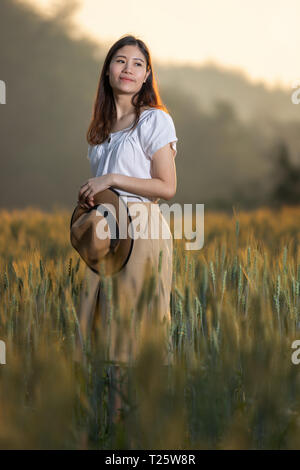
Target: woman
x,y
132,146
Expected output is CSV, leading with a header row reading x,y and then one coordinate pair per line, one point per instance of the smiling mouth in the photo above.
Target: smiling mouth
x,y
127,79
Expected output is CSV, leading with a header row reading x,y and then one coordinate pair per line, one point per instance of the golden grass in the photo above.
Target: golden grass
x,y
235,312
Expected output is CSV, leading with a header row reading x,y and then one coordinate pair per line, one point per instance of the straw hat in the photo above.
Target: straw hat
x,y
111,252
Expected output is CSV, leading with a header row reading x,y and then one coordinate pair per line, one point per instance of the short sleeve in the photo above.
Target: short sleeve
x,y
88,155
156,131
93,157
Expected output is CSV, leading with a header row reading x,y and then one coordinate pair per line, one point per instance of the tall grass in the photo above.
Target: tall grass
x,y
235,313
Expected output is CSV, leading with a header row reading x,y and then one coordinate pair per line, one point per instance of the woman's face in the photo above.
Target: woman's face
x,y
128,62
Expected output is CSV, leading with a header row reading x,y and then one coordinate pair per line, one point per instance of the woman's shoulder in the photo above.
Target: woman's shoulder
x,y
154,109
154,116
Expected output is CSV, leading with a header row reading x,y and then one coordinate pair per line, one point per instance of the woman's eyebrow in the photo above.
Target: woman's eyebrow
x,y
135,58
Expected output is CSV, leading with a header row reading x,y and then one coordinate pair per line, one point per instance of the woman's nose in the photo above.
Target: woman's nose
x,y
127,68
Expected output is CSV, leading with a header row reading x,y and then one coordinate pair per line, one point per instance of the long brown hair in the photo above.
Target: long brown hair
x,y
104,113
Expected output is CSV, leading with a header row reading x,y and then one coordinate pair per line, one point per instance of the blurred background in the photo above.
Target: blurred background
x,y
226,72
229,74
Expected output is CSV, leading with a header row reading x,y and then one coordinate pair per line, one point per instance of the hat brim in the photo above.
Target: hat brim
x,y
119,254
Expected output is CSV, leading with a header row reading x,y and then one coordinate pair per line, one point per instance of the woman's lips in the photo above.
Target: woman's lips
x,y
127,79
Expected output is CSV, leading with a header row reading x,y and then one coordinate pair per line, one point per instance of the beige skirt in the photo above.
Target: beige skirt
x,y
125,312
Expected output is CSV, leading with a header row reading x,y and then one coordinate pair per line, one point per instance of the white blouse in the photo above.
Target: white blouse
x,y
130,152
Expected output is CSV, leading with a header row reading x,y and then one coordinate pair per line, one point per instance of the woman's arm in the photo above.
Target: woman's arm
x,y
161,185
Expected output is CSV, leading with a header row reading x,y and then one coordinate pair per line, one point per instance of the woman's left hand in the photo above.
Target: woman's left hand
x,y
92,187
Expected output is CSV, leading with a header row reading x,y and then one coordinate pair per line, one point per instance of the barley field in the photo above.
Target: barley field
x,y
235,309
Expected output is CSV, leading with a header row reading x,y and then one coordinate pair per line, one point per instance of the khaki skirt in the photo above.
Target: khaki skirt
x,y
125,312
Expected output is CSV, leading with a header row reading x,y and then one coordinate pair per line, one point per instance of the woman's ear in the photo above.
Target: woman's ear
x,y
147,75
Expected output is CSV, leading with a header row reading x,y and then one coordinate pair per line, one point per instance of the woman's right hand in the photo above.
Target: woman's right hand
x,y
87,203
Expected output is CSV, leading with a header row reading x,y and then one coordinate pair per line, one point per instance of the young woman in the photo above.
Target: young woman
x,y
132,147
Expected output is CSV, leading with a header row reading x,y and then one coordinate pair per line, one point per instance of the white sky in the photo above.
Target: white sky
x,y
259,37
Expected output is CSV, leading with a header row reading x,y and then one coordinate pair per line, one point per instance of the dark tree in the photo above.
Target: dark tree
x,y
286,189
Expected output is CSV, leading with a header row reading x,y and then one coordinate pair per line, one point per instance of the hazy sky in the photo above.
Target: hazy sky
x,y
259,37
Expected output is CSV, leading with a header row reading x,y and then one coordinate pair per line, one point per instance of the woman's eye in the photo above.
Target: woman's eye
x,y
137,63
